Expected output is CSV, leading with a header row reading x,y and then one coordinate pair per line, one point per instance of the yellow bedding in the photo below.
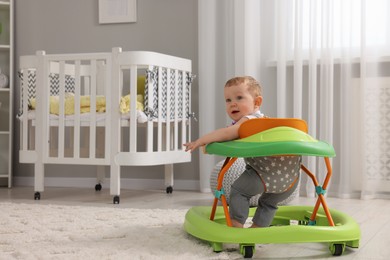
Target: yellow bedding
x,y
85,104
124,106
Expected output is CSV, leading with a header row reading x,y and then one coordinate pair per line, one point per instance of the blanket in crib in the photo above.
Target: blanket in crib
x,y
85,104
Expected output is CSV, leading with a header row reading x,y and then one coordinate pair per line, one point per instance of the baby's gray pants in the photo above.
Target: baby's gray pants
x,y
247,185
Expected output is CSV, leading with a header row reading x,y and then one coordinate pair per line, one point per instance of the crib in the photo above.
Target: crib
x,y
106,109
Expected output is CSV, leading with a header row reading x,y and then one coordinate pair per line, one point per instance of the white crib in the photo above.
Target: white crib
x,y
70,112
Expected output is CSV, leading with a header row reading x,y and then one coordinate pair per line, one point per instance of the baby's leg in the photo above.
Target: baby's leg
x,y
246,186
268,204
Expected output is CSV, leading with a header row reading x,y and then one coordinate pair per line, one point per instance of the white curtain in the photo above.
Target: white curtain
x,y
229,40
326,61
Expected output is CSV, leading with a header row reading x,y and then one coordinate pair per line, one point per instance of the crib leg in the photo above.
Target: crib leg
x,y
115,182
169,177
39,172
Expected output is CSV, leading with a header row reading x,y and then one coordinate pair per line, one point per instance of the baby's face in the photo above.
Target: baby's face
x,y
239,101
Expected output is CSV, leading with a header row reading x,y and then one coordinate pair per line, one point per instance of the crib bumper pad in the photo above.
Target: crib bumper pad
x,y
275,141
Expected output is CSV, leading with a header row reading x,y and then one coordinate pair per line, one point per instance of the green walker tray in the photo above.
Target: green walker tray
x,y
275,141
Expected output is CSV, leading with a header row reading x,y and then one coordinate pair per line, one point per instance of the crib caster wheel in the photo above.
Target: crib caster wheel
x,y
116,200
169,189
337,249
98,187
37,196
247,250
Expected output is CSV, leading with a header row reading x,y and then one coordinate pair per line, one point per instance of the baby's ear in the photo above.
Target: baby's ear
x,y
258,101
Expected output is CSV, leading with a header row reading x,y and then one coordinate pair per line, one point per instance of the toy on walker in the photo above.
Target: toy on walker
x,y
272,137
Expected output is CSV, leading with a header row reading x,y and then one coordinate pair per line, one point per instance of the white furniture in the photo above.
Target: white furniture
x,y
6,91
54,129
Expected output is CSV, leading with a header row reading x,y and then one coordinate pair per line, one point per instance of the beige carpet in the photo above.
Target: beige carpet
x,y
37,231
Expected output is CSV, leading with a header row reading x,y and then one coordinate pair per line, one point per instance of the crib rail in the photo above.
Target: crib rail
x,y
167,104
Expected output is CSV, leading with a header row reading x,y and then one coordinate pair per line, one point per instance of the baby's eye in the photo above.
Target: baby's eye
x,y
228,100
239,97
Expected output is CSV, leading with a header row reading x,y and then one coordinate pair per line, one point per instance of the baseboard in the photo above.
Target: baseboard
x,y
131,184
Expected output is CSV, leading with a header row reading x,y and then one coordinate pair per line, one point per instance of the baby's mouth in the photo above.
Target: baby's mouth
x,y
235,111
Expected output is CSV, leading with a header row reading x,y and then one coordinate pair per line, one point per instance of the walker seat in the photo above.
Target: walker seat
x,y
291,224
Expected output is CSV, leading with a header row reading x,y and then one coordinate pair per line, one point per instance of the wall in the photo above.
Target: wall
x,y
71,26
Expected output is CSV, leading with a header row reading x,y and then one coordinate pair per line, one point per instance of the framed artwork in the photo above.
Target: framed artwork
x,y
117,11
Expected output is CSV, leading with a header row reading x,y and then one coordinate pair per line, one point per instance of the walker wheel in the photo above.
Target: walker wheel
x,y
247,250
337,249
217,247
37,196
98,187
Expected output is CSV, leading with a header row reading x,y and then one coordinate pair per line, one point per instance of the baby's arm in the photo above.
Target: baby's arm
x,y
219,135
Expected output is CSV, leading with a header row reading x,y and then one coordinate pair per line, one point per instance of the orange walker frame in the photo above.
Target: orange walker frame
x,y
251,127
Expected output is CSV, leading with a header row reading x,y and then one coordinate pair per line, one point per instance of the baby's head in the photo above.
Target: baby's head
x,y
252,85
242,97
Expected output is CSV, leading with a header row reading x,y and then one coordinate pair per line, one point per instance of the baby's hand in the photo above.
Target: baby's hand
x,y
191,146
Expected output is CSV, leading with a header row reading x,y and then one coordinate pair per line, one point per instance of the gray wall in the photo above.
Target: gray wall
x,y
71,26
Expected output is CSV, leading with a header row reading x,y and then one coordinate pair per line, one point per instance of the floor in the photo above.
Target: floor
x,y
372,216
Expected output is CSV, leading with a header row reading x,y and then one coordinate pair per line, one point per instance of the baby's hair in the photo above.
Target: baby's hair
x,y
253,85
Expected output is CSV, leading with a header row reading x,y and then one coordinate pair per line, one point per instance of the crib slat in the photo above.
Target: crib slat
x,y
168,115
76,128
183,119
160,105
107,87
61,119
133,109
176,129
92,124
149,135
25,131
42,113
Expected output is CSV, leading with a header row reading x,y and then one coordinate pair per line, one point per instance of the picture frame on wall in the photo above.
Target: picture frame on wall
x,y
117,11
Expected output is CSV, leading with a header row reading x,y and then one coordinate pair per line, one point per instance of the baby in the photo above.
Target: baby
x,y
275,177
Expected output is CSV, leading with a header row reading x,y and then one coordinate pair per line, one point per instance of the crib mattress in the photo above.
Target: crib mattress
x,y
85,119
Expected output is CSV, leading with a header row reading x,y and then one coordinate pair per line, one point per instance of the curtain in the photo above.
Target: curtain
x,y
326,61
229,40
333,56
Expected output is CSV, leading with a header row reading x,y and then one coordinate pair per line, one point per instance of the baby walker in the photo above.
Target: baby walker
x,y
292,224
